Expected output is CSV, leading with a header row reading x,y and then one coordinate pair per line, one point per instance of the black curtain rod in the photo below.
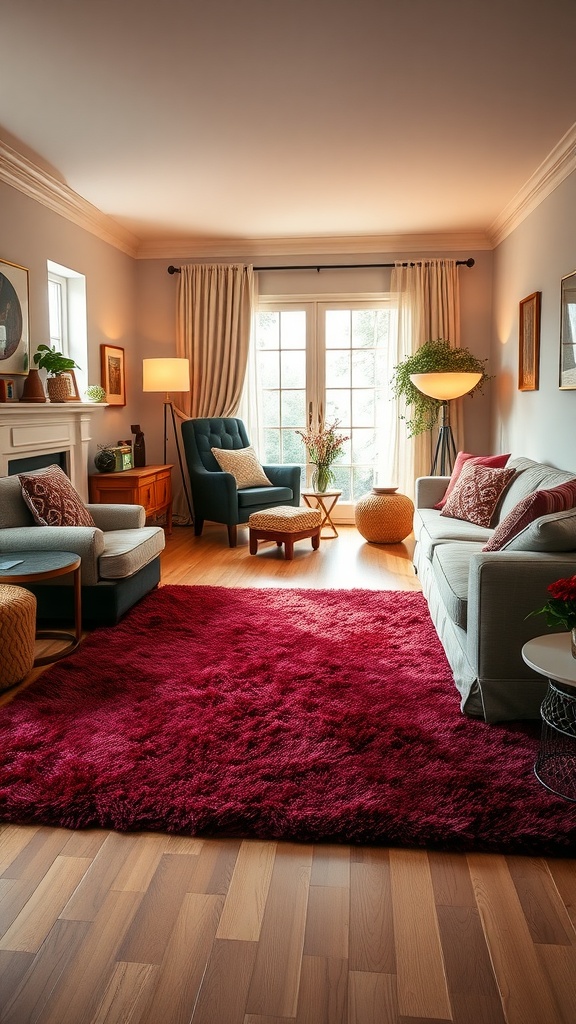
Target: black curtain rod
x,y
340,266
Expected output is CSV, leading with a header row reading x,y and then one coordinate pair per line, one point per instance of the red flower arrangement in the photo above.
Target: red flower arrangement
x,y
560,609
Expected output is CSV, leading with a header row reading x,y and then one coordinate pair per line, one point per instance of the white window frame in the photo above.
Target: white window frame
x,y
73,311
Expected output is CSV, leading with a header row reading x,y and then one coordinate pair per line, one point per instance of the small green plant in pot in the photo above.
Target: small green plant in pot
x,y
55,364
432,357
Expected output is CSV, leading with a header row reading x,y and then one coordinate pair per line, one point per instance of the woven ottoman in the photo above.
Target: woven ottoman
x,y
17,634
384,517
285,524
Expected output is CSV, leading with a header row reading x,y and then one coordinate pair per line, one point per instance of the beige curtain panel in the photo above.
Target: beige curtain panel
x,y
214,311
427,300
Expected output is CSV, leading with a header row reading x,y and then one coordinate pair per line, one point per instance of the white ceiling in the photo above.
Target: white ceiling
x,y
239,119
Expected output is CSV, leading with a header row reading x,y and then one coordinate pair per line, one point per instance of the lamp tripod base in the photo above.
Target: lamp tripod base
x,y
445,452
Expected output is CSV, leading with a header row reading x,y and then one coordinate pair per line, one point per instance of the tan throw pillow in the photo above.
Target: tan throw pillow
x,y
52,499
477,493
244,466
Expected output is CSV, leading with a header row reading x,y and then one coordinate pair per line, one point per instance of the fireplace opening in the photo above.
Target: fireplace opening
x,y
32,462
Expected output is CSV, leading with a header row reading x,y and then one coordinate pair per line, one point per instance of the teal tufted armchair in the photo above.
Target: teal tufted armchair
x,y
214,493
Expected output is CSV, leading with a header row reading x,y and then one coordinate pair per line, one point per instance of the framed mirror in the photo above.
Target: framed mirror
x,y
567,380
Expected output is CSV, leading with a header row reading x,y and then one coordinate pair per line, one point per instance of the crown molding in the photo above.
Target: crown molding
x,y
25,176
559,163
251,249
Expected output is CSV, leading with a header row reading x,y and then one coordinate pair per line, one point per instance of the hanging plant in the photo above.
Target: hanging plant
x,y
432,357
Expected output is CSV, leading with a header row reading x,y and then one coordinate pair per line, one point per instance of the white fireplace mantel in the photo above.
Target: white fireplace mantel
x,y
44,428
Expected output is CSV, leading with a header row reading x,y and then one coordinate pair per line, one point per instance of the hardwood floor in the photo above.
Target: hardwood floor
x,y
102,928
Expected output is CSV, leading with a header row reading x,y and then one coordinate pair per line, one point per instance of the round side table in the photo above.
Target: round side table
x,y
384,517
33,567
555,766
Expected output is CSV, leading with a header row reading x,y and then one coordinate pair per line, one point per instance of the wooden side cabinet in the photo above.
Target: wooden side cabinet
x,y
150,486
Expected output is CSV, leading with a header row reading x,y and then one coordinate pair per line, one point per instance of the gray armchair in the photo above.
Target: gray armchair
x,y
215,496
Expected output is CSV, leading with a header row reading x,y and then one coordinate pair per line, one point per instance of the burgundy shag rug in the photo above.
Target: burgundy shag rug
x,y
313,715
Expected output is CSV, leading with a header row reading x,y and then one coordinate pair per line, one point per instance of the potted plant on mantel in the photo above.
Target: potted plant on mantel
x,y
432,357
55,364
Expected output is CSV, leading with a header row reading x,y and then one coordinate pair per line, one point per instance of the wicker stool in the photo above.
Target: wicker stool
x,y
384,517
17,634
285,524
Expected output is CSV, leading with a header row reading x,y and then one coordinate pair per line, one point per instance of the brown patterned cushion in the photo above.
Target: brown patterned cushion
x,y
244,466
497,461
477,493
533,506
52,499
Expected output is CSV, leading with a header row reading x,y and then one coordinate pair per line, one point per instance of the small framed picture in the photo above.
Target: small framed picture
x,y
567,380
74,394
529,343
113,374
7,390
14,328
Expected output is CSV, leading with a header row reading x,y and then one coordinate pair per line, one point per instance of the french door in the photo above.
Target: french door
x,y
330,359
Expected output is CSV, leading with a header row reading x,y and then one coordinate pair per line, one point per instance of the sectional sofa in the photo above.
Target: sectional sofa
x,y
479,599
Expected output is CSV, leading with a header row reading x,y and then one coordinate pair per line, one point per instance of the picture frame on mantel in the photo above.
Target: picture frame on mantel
x,y
113,374
529,343
567,380
14,319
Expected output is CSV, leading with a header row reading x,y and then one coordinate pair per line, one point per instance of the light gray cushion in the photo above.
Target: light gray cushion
x,y
432,529
126,551
530,476
555,532
13,508
451,564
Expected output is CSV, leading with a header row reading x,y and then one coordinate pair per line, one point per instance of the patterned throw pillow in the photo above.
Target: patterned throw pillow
x,y
244,466
462,459
52,499
533,506
477,493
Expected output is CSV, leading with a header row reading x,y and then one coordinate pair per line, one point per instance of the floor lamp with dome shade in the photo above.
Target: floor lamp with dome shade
x,y
169,375
444,386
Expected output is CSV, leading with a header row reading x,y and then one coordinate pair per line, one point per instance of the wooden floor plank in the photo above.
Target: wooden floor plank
x,y
422,986
331,865
13,840
372,998
220,1003
30,864
328,922
559,964
276,977
30,928
473,991
371,923
45,971
146,939
92,891
247,893
323,991
13,968
127,992
140,861
545,914
523,985
185,960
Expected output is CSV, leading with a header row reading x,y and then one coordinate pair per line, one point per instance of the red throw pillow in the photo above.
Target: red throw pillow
x,y
496,461
477,493
540,503
52,499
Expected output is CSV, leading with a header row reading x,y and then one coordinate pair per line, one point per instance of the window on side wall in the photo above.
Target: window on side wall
x,y
68,319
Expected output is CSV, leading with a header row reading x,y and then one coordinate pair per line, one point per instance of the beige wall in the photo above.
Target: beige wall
x,y
540,424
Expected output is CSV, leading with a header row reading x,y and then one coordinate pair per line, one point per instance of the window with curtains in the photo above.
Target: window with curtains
x,y
329,358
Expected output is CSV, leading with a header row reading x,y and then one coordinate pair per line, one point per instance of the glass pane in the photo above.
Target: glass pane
x,y
362,481
293,369
338,369
293,329
338,407
293,448
269,369
363,447
342,481
271,408
293,408
363,369
337,328
364,328
363,407
271,447
268,330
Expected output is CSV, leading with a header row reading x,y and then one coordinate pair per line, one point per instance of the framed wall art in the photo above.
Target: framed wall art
x,y
113,374
14,319
567,381
529,342
74,393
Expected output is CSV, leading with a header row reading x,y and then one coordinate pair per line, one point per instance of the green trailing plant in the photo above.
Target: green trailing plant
x,y
53,362
432,357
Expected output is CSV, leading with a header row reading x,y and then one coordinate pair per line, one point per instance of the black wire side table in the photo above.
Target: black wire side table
x,y
555,765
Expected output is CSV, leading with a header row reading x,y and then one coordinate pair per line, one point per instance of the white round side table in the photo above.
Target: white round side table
x,y
555,767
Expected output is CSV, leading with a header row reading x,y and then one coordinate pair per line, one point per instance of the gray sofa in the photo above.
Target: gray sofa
x,y
479,600
120,557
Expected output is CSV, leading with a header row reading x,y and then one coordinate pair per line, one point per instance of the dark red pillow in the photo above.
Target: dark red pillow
x,y
530,508
477,493
52,499
495,461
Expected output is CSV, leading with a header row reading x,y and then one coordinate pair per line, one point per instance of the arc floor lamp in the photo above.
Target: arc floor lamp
x,y
444,386
169,375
